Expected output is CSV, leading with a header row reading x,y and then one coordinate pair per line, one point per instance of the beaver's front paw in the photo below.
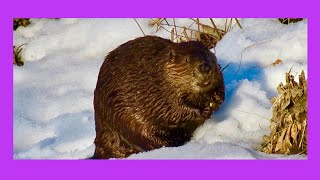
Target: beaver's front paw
x,y
207,112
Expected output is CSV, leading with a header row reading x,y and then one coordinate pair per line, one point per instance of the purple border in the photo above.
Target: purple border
x,y
87,169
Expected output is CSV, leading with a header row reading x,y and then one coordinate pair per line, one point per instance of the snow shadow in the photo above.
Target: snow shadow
x,y
233,75
72,137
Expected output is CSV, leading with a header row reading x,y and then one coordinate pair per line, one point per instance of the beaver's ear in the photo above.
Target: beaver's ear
x,y
172,55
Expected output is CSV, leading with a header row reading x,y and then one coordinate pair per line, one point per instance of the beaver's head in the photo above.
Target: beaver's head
x,y
194,71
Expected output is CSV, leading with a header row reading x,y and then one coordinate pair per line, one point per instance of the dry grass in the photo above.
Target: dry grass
x,y
207,34
17,59
17,22
289,20
289,121
20,22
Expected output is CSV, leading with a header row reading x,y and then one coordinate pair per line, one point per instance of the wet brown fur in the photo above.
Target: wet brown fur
x,y
151,93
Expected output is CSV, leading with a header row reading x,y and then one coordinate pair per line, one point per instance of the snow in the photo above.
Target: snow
x,y
53,91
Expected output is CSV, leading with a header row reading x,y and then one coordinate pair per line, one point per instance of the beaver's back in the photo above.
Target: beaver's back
x,y
136,55
134,67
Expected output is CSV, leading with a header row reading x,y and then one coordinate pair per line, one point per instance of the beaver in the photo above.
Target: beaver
x,y
151,93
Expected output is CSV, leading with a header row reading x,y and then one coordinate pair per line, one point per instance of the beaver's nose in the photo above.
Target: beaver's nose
x,y
205,68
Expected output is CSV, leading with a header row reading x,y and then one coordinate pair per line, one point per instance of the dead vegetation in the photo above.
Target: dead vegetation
x,y
17,22
17,59
289,121
289,20
196,30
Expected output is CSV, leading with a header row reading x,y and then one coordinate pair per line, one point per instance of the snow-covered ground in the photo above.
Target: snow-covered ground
x,y
53,91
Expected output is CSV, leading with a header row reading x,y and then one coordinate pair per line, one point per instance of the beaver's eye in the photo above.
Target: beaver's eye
x,y
187,59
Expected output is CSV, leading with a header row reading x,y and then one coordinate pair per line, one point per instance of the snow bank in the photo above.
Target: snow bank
x,y
53,91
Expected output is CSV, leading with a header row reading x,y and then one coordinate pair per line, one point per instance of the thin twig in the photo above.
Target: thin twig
x,y
216,29
265,144
181,27
225,25
19,47
139,26
160,26
198,22
237,21
175,28
191,24
252,114
184,32
225,67
248,48
165,20
229,26
192,30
